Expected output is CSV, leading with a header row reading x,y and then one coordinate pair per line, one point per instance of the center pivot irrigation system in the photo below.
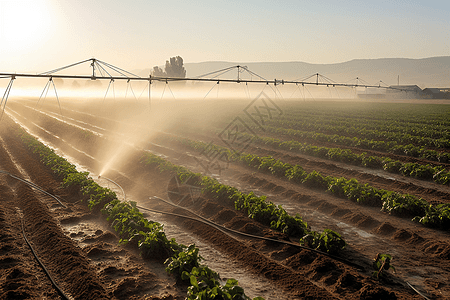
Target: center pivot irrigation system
x,y
105,71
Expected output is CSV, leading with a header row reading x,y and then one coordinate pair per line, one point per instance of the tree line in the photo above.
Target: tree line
x,y
173,68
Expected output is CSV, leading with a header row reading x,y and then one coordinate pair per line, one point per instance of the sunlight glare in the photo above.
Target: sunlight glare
x,y
23,23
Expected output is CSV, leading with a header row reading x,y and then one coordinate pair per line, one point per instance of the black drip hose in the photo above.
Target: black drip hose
x,y
415,290
225,230
35,186
60,292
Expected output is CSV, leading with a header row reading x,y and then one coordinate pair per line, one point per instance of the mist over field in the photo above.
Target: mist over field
x,y
425,72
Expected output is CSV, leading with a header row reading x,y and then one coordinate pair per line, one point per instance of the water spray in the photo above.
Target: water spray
x,y
110,180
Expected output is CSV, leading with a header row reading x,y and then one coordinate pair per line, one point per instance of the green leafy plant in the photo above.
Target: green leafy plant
x,y
136,230
381,264
205,284
184,261
132,227
328,241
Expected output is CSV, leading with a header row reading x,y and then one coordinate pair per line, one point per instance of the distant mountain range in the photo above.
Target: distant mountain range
x,y
425,72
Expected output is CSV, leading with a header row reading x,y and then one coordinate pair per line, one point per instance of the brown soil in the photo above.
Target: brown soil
x,y
300,273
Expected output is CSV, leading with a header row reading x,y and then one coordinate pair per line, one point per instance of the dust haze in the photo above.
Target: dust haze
x,y
134,114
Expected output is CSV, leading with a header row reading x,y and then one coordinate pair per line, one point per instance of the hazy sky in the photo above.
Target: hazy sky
x,y
40,35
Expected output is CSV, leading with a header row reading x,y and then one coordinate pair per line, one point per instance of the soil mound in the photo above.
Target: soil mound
x,y
251,228
385,229
209,209
402,235
224,216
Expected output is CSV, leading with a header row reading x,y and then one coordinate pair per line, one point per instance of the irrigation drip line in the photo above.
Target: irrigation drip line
x,y
224,229
110,180
34,186
55,285
415,290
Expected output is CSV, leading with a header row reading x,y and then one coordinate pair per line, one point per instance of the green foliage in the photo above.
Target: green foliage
x,y
436,216
292,226
382,263
147,235
205,284
392,166
328,241
184,261
296,174
351,189
442,177
257,208
423,172
315,180
403,204
371,162
70,176
132,227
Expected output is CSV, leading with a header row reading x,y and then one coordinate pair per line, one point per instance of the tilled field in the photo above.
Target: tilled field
x,y
83,255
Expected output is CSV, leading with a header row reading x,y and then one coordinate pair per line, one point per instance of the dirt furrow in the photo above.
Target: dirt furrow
x,y
339,282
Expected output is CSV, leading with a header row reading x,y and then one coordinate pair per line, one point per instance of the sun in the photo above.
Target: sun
x,y
23,23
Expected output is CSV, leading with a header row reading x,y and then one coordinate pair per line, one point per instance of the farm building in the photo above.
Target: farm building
x,y
371,93
436,93
404,92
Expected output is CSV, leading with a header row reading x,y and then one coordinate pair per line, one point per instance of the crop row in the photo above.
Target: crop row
x,y
418,136
425,172
438,174
413,128
436,115
256,207
146,235
383,146
367,121
389,201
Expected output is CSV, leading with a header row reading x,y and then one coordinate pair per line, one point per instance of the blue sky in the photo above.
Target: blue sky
x,y
40,35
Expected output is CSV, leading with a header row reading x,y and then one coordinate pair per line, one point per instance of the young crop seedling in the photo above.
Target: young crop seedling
x,y
381,263
328,241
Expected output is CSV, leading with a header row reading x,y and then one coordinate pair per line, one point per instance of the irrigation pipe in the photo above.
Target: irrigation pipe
x,y
60,292
123,192
415,290
224,229
34,186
